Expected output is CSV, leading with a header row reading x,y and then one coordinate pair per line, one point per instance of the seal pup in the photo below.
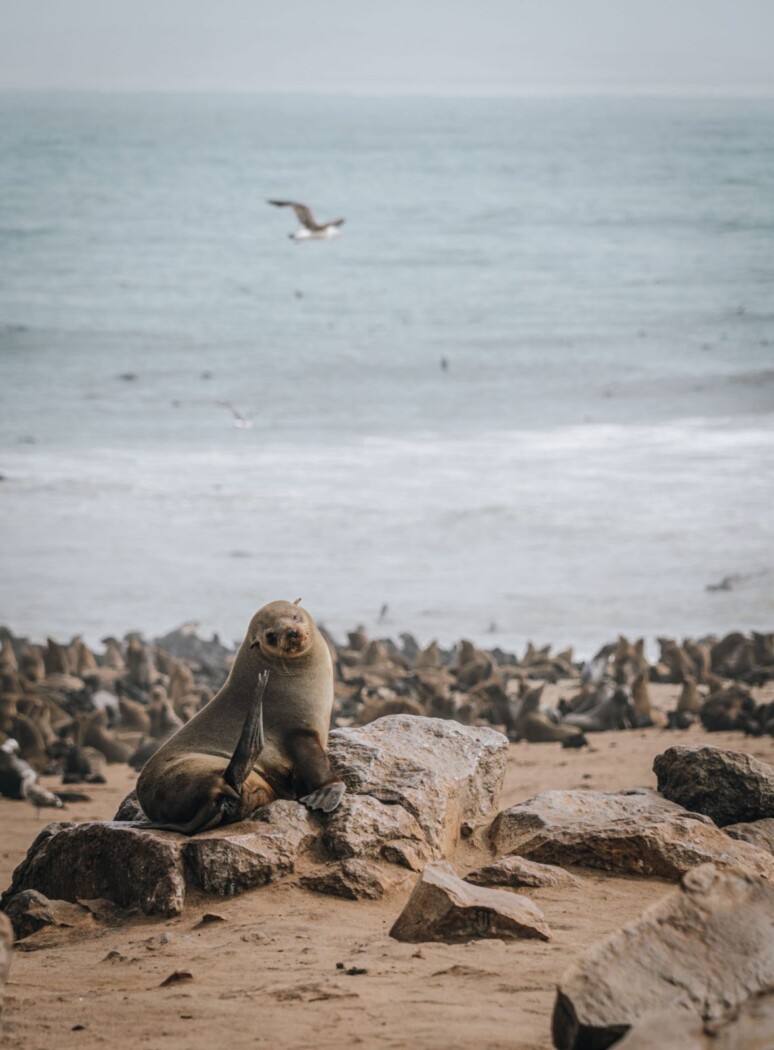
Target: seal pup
x,y
262,737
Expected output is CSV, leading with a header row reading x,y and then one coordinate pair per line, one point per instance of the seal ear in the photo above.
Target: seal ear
x,y
297,601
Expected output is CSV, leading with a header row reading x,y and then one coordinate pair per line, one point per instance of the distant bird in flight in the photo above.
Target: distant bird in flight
x,y
243,422
310,229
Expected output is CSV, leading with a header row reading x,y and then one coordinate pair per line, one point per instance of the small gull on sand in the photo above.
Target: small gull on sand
x,y
310,229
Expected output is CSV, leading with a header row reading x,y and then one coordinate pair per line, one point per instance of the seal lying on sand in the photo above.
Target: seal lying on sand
x,y
262,737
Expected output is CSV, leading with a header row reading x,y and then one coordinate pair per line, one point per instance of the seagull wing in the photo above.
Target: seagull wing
x,y
303,213
230,408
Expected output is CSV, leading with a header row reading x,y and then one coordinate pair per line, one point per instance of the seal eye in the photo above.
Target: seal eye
x,y
271,637
297,618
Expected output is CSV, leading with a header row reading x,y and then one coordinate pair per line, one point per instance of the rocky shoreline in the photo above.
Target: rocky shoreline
x,y
430,847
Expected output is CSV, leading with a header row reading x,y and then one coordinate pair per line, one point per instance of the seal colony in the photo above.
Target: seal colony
x,y
262,737
72,712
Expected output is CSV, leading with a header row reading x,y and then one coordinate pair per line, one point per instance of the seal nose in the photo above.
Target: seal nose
x,y
293,633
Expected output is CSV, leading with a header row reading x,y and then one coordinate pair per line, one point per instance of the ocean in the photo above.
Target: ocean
x,y
597,276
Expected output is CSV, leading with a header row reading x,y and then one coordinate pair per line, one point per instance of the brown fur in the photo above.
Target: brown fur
x,y
183,784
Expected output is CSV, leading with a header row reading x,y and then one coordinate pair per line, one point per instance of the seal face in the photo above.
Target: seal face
x,y
280,634
263,736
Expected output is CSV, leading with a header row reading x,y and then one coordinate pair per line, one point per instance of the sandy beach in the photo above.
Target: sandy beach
x,y
274,971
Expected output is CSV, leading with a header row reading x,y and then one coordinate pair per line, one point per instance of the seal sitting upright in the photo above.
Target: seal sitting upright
x,y
262,737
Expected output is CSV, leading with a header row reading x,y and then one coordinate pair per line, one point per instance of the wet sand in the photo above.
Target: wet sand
x,y
267,975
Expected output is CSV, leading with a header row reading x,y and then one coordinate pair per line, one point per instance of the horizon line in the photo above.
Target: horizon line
x,y
667,91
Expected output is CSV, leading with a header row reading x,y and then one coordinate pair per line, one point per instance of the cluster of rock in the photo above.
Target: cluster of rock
x,y
416,787
70,710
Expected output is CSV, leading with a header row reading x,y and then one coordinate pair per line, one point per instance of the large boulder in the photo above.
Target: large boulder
x,y
704,949
443,907
132,868
151,870
633,832
6,950
238,857
728,786
447,776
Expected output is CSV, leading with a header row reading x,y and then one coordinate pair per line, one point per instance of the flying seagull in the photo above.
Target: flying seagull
x,y
310,229
244,422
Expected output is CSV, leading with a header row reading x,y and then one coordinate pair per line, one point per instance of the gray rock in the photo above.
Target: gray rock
x,y
748,1028
30,911
6,951
666,1028
239,857
354,880
364,827
728,786
442,773
633,832
759,832
151,870
705,948
130,808
516,871
130,867
443,907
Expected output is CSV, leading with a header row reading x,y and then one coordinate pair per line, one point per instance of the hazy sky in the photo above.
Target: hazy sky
x,y
458,46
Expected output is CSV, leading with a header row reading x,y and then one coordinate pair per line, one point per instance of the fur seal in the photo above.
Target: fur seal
x,y
262,737
533,725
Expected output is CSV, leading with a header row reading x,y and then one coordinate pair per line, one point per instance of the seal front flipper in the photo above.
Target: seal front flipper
x,y
325,798
316,786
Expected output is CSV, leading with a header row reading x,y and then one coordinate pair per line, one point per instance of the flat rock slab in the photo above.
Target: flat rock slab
x,y
443,907
706,949
151,870
633,832
516,871
728,786
239,857
6,951
30,911
759,832
444,774
354,880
